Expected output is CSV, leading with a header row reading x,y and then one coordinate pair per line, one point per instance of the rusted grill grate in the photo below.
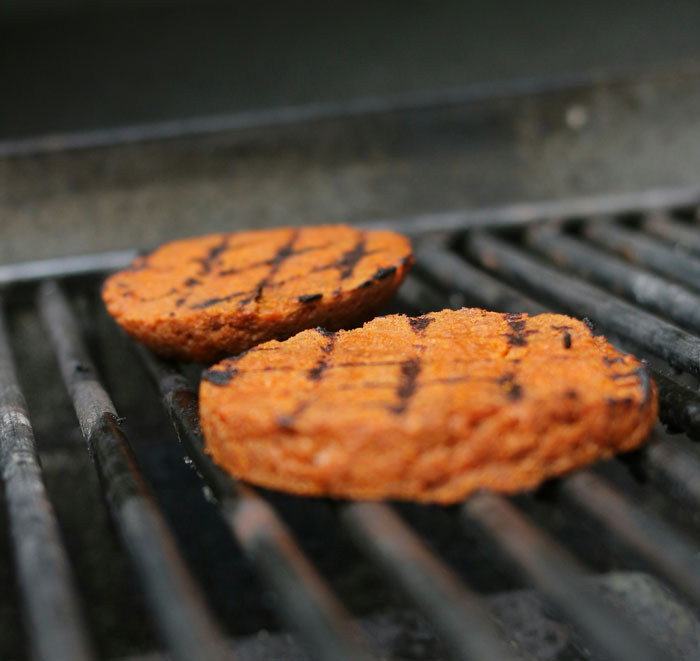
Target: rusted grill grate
x,y
634,273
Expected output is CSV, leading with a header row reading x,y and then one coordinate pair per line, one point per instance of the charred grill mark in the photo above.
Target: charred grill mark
x,y
410,369
287,421
192,282
384,272
250,294
567,340
207,262
219,299
276,262
349,259
179,302
219,377
513,390
518,338
308,298
419,324
366,283
272,260
316,372
299,251
564,328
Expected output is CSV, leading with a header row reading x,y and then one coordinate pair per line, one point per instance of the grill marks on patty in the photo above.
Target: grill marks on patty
x,y
419,324
409,373
345,265
347,262
275,264
444,395
408,377
316,372
518,335
204,298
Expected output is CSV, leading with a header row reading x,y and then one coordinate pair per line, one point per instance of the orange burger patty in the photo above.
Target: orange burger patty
x,y
427,408
205,298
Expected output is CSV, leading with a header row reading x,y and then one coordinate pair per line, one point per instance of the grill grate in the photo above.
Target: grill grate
x,y
552,256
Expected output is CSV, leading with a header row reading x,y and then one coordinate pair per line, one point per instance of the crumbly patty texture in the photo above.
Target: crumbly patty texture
x,y
428,408
205,298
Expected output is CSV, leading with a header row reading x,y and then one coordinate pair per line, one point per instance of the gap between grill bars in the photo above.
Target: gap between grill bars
x,y
54,623
552,266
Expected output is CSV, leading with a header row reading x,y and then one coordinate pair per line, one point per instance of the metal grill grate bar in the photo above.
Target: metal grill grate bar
x,y
459,615
559,577
675,558
679,406
672,465
674,231
54,623
647,289
306,601
65,267
178,606
669,342
451,272
645,250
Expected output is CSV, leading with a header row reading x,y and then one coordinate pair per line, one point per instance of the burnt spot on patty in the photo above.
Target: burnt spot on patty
x,y
419,324
308,298
518,336
567,340
408,377
316,372
384,272
513,390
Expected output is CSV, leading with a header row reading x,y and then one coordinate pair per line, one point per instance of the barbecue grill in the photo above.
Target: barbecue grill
x,y
117,541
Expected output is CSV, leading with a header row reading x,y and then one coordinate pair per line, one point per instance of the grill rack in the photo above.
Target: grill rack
x,y
476,266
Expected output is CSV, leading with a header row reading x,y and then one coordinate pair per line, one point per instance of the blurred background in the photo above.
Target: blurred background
x,y
124,124
76,64
482,103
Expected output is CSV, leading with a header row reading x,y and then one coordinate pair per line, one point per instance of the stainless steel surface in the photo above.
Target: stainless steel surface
x,y
635,136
